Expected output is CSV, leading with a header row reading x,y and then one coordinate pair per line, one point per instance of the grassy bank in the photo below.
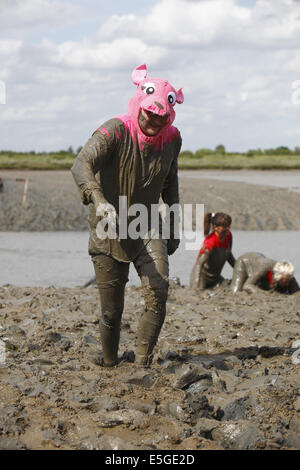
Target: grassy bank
x,y
36,161
201,159
240,161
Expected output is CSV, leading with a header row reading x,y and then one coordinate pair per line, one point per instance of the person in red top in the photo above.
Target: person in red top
x,y
253,271
214,252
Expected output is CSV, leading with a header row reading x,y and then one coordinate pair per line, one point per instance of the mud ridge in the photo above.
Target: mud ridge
x,y
53,203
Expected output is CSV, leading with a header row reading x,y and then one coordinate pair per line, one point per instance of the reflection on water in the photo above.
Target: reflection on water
x,y
61,258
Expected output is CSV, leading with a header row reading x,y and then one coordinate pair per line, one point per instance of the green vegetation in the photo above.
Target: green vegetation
x,y
279,158
62,160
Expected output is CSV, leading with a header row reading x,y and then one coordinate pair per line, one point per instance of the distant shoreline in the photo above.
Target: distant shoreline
x,y
53,203
187,161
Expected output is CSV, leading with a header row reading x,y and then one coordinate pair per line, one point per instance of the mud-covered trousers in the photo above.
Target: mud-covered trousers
x,y
111,275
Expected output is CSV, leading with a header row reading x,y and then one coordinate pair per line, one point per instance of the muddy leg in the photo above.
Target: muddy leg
x,y
197,280
202,282
153,268
193,277
239,276
111,278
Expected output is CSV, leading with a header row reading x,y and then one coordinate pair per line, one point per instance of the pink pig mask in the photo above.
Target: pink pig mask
x,y
154,95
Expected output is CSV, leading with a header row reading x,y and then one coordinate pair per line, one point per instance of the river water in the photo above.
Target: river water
x,y
45,258
288,179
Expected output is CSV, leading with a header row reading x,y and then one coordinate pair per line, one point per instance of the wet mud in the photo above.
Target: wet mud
x,y
251,206
223,374
53,202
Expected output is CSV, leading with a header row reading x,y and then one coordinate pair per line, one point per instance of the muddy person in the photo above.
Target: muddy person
x,y
254,271
216,249
132,155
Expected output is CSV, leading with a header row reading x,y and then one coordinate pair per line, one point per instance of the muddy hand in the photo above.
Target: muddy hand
x,y
251,289
107,211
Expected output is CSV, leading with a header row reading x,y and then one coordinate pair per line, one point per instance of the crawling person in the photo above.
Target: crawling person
x,y
214,252
135,156
253,271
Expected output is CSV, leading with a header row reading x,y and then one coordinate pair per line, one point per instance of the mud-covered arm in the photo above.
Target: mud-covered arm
x,y
89,161
260,271
199,281
170,192
170,196
231,258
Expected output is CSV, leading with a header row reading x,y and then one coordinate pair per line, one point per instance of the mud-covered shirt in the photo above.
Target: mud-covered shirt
x,y
215,253
113,163
259,271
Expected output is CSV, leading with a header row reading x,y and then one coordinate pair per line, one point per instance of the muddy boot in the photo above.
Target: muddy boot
x,y
110,337
144,360
148,331
153,269
145,344
98,359
147,337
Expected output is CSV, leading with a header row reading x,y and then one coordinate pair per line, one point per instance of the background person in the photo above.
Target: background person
x,y
253,271
214,252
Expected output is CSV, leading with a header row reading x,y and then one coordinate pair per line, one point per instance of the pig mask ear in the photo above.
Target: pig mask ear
x,y
139,74
179,96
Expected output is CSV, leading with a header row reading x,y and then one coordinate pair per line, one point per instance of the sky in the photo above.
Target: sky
x,y
65,68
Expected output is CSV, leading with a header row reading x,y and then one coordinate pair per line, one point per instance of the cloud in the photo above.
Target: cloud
x,y
115,54
211,22
235,63
22,15
179,23
292,132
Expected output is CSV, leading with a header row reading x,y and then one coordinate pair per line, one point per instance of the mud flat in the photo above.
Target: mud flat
x,y
223,375
53,203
